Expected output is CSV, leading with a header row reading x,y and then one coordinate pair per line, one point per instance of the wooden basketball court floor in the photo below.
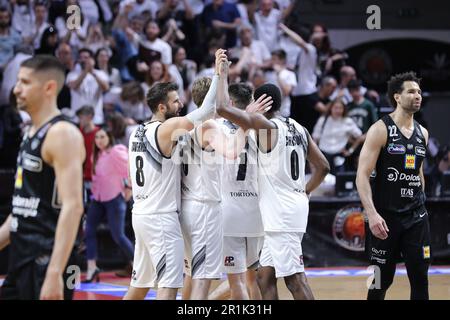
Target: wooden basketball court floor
x,y
326,283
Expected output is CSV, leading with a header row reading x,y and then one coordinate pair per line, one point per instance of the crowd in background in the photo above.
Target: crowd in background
x,y
122,48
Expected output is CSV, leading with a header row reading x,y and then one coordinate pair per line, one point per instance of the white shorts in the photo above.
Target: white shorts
x,y
158,253
283,251
201,223
241,253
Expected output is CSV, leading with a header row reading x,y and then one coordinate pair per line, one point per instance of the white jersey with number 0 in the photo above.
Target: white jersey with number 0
x,y
281,177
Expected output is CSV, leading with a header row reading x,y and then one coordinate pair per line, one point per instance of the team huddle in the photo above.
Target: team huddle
x,y
220,190
220,195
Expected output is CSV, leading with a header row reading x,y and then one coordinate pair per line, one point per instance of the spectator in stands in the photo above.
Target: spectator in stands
x,y
64,55
87,85
132,103
109,180
151,48
303,102
8,38
95,39
258,55
120,129
330,60
49,42
267,19
155,74
135,8
334,132
102,57
224,16
284,78
322,98
87,127
177,18
183,71
39,24
21,53
74,37
363,112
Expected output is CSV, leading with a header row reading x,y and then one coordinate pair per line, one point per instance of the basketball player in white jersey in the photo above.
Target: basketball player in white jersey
x,y
155,177
283,148
242,241
201,215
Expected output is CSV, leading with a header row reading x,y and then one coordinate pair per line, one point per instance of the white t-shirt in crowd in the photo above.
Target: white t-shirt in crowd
x,y
88,93
267,28
306,72
335,134
287,77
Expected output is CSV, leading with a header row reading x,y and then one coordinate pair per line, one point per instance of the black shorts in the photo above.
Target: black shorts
x,y
25,283
408,240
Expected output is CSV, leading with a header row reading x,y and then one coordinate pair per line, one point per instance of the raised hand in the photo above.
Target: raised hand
x,y
261,105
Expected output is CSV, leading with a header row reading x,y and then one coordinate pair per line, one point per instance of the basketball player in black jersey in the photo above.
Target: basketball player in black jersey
x,y
395,203
47,201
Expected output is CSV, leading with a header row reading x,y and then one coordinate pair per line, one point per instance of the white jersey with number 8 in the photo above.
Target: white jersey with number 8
x,y
155,178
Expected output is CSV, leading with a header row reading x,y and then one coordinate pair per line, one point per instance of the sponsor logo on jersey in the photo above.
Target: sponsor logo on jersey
x,y
35,144
410,161
243,194
393,176
406,193
138,147
348,228
229,261
31,163
410,146
19,178
426,252
396,149
378,252
420,151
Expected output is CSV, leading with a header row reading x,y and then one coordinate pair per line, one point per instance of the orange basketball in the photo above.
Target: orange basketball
x,y
354,226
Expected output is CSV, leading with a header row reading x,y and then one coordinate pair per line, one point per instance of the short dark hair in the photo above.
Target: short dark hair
x,y
395,84
44,63
241,94
86,110
91,53
354,84
158,94
270,90
280,54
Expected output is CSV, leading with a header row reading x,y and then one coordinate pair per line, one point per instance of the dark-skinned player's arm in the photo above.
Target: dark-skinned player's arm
x,y
4,232
320,163
245,120
211,134
375,140
422,176
170,130
68,166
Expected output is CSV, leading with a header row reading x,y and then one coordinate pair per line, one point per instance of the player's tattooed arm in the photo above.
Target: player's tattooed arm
x,y
375,140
